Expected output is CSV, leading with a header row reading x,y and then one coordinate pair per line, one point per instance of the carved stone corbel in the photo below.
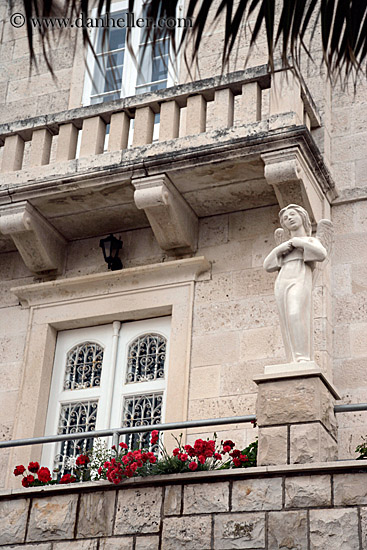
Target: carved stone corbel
x,y
174,223
294,182
38,242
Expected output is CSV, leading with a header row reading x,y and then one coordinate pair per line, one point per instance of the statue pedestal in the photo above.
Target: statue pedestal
x,y
295,415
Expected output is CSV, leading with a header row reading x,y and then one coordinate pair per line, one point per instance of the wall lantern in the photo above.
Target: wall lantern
x,y
111,248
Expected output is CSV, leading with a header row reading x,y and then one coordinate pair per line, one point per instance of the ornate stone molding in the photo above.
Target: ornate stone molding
x,y
174,223
295,181
41,246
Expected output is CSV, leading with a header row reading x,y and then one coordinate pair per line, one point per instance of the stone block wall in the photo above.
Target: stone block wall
x,y
298,508
349,289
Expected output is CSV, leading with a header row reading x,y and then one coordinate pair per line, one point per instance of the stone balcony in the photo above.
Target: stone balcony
x,y
233,142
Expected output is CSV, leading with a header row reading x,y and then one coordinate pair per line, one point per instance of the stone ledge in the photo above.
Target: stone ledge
x,y
133,278
302,373
316,468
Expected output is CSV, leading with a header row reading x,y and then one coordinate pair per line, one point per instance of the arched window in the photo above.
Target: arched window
x,y
146,357
83,366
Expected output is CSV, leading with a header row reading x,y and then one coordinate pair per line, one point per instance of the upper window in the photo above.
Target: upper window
x,y
106,378
121,70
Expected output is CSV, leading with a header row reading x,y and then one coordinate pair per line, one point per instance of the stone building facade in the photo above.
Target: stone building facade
x,y
196,203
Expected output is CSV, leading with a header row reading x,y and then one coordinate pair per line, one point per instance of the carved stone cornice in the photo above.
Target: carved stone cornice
x,y
41,246
294,181
174,223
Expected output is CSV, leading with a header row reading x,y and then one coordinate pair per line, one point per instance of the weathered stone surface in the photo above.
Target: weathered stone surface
x,y
364,528
257,494
272,446
204,498
138,511
117,543
304,491
331,529
147,543
307,399
287,530
96,514
189,533
76,545
53,518
13,520
311,443
172,500
350,489
239,531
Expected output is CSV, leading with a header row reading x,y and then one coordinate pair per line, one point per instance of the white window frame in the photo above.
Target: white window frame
x,y
110,405
130,74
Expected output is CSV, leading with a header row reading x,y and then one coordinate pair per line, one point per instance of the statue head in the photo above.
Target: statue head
x,y
303,215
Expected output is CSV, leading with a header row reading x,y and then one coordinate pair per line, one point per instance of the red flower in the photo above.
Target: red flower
x,y
226,448
235,453
67,478
154,437
44,475
190,450
217,456
183,457
176,451
237,462
33,467
19,470
201,459
123,445
243,458
193,466
82,460
27,480
228,443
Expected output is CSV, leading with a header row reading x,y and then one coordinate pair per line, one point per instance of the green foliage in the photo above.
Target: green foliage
x,y
362,449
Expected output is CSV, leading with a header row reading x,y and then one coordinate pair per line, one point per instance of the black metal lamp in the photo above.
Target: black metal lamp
x,y
111,248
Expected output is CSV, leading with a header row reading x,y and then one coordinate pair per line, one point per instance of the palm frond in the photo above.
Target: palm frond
x,y
342,24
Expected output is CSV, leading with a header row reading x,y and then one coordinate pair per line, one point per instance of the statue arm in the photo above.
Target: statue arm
x,y
313,250
273,261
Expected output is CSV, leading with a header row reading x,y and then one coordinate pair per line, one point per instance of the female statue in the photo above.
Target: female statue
x,y
295,258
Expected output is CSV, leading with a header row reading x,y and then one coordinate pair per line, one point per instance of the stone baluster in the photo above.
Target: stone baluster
x,y
67,142
170,121
119,131
93,136
195,115
12,154
250,103
144,126
40,147
224,103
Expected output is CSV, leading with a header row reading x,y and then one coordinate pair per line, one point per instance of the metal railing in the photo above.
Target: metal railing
x,y
117,432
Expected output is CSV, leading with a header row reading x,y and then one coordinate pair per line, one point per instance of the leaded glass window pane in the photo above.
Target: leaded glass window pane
x,y
83,366
142,410
146,357
75,418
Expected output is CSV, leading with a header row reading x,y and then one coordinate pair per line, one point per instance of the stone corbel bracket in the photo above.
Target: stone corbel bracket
x,y
38,242
174,223
295,181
